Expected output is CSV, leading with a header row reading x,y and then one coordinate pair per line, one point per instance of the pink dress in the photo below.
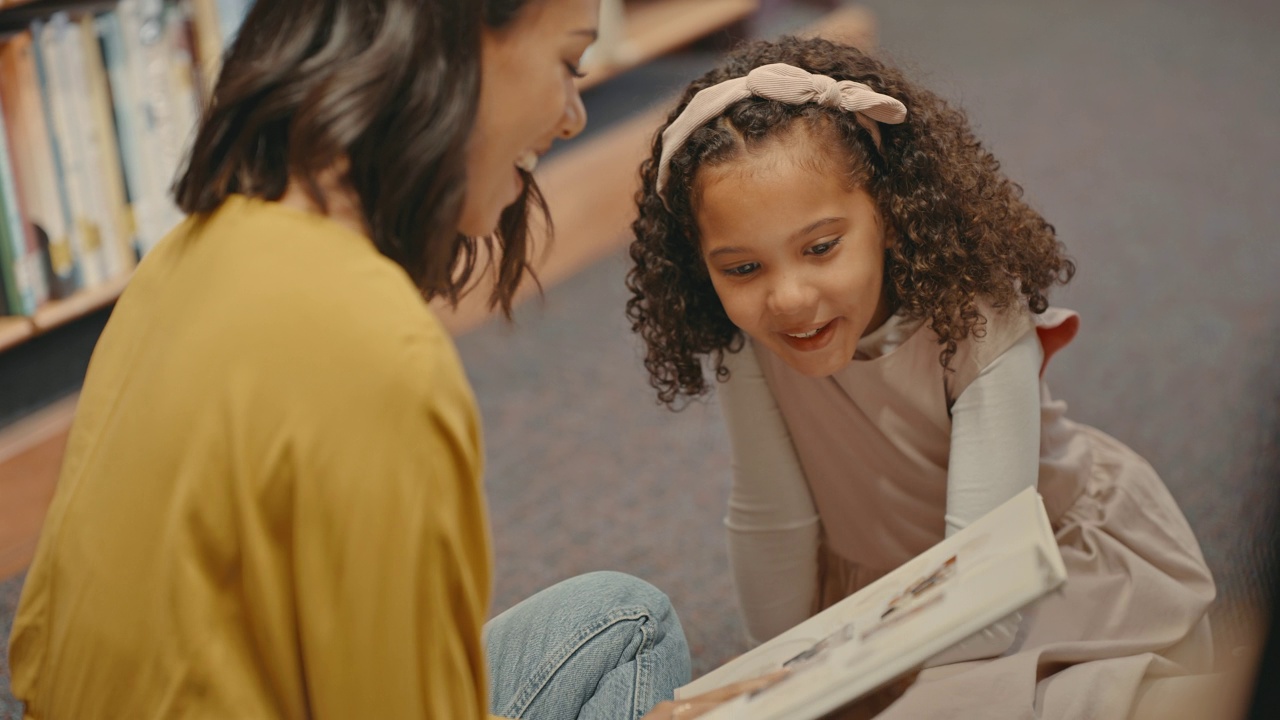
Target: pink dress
x,y
873,441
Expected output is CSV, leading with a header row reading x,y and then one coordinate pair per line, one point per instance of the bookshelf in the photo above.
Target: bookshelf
x,y
14,330
56,313
99,97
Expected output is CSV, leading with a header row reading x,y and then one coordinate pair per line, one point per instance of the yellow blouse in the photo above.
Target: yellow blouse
x,y
270,505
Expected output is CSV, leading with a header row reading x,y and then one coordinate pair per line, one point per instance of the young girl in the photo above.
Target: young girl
x,y
871,292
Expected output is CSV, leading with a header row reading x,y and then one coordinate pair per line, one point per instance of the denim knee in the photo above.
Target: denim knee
x,y
616,589
599,645
620,588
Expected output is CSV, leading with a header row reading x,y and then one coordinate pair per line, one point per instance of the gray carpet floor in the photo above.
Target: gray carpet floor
x,y
1147,132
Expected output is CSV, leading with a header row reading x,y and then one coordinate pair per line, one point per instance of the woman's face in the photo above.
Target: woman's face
x,y
528,99
795,255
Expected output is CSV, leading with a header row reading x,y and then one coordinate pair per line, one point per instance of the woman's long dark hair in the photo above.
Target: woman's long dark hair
x,y
389,86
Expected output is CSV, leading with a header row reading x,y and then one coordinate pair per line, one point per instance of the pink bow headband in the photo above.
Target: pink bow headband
x,y
786,84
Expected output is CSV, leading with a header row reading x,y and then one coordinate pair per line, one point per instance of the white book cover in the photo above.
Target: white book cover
x,y
1006,560
119,210
123,64
183,88
143,26
86,233
97,156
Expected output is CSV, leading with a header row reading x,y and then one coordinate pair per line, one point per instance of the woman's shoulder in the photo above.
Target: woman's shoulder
x,y
288,288
333,281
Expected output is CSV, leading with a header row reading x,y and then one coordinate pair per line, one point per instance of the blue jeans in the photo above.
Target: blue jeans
x,y
601,645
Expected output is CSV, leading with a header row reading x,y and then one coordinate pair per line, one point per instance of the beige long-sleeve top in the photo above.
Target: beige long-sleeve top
x,y
774,526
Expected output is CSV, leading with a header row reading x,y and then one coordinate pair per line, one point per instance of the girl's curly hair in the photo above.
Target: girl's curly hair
x,y
961,229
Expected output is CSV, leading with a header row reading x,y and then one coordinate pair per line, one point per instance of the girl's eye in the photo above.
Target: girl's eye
x,y
824,248
742,270
574,70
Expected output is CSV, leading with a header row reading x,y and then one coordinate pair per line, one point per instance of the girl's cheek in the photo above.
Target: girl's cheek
x,y
734,309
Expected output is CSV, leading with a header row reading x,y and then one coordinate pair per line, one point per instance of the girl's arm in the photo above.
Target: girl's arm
x,y
995,454
773,527
995,435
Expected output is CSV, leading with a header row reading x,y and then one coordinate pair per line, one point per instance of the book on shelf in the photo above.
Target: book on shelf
x,y
83,155
99,106
66,158
124,74
116,208
1003,562
167,105
33,166
21,289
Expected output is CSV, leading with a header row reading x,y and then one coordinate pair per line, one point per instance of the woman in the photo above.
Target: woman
x,y
271,503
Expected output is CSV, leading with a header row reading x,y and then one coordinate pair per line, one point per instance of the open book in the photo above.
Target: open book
x,y
994,567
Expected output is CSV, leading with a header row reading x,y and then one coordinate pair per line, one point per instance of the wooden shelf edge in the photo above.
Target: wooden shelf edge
x,y
15,330
650,31
60,312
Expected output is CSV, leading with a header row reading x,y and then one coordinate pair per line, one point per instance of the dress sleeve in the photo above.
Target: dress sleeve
x,y
995,454
772,525
995,434
391,548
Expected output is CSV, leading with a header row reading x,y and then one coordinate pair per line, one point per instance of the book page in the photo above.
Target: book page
x,y
1003,561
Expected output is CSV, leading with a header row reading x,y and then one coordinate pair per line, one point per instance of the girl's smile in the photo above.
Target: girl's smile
x,y
796,256
813,339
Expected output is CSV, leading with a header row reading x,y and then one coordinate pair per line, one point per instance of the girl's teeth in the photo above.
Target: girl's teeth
x,y
528,161
809,334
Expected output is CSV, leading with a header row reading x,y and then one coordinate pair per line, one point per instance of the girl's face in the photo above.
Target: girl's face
x,y
796,257
527,100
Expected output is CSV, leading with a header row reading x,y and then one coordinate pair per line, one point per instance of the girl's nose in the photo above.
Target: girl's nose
x,y
791,295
